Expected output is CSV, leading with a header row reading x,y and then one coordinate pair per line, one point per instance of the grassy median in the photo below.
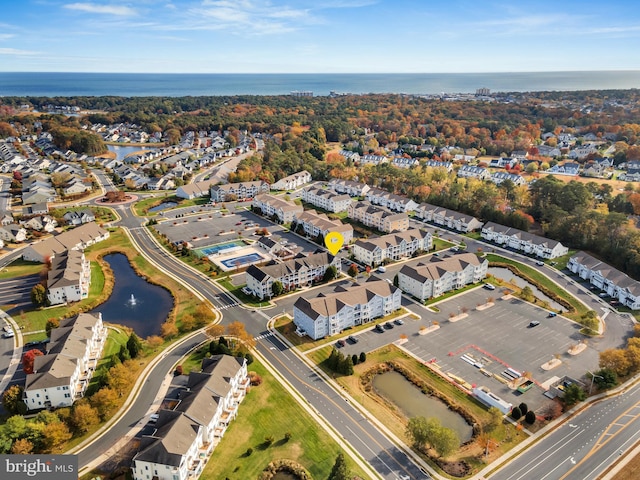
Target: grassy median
x,y
269,411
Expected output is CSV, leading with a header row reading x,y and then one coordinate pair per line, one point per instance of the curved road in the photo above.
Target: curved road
x,y
372,444
367,439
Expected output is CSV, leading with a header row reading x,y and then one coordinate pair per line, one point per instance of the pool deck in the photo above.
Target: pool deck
x,y
248,250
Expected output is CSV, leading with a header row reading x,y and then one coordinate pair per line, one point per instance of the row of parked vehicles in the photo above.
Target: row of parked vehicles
x,y
380,327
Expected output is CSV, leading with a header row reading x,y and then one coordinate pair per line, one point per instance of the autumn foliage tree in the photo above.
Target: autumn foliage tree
x,y
29,358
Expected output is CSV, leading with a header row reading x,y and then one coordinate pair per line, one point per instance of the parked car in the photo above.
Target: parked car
x,y
352,339
488,286
552,314
340,343
378,328
540,263
398,321
381,269
388,325
534,323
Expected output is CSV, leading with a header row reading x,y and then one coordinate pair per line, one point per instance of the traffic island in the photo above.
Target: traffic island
x,y
455,318
576,349
551,364
424,330
484,306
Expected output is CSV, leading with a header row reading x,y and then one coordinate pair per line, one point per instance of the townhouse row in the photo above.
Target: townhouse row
x,y
61,376
184,438
606,278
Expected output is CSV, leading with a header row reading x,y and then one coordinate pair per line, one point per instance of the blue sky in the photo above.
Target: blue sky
x,y
332,36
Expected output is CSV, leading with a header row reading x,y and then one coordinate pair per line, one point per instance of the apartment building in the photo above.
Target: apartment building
x,y
298,272
607,279
326,199
394,246
523,241
61,376
78,238
271,206
346,307
378,217
394,202
291,182
351,188
442,274
238,191
185,437
69,278
444,217
314,224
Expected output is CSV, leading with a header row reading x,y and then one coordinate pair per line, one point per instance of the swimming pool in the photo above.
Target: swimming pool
x,y
241,260
221,247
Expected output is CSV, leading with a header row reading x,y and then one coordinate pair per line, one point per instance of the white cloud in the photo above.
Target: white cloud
x,y
251,17
6,36
119,10
15,51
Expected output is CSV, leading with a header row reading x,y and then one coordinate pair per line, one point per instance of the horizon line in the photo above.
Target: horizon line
x,y
326,73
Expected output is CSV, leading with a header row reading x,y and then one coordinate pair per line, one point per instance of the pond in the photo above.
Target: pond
x,y
413,403
134,302
284,476
122,152
163,206
508,276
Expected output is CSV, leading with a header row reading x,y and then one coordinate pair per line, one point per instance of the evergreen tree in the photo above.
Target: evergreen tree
x,y
516,413
123,354
523,408
134,345
340,471
530,417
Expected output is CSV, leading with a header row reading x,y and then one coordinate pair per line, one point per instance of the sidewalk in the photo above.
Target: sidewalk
x,y
15,357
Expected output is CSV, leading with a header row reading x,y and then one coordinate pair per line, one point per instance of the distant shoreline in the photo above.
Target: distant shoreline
x,y
68,84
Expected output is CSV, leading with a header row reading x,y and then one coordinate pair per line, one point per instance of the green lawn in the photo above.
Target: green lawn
x,y
35,320
543,283
506,435
115,339
20,268
239,294
269,410
440,244
452,294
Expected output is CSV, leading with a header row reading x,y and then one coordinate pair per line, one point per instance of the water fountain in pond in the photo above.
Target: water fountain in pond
x,y
132,301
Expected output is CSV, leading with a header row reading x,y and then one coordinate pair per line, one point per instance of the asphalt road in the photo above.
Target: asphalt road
x,y
584,447
138,409
377,450
368,440
372,444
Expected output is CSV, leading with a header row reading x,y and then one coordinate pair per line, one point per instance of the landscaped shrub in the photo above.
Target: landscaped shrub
x,y
523,408
516,414
530,417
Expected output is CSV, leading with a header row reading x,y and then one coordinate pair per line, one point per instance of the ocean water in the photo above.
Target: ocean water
x,y
177,85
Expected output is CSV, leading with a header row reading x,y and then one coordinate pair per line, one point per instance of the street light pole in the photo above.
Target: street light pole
x,y
593,376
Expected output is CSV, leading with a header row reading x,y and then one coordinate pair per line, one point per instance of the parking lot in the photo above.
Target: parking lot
x,y
495,338
203,227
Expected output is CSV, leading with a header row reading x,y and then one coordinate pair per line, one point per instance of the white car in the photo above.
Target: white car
x,y
488,286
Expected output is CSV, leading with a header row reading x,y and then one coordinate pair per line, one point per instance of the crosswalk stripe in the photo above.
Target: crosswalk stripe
x,y
264,335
